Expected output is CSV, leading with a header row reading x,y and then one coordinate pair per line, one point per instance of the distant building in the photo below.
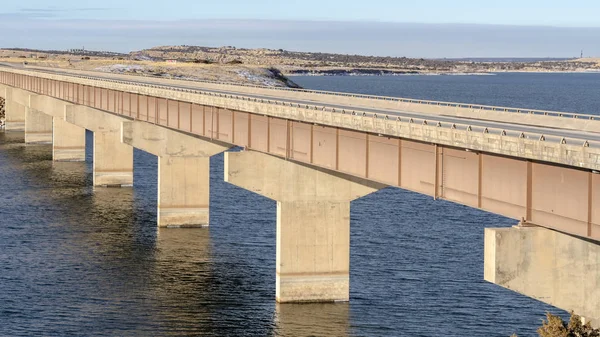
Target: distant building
x,y
171,61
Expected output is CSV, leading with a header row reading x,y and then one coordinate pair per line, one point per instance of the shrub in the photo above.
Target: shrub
x,y
554,326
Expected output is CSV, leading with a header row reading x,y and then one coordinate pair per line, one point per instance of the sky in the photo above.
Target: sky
x,y
423,28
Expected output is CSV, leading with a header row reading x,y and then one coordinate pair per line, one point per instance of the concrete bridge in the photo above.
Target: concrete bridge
x,y
314,152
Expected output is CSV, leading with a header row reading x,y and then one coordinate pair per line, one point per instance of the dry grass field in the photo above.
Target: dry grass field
x,y
245,74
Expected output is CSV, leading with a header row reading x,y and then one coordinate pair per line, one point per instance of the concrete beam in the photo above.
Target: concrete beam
x,y
93,119
164,142
183,172
313,222
550,266
49,105
19,96
38,127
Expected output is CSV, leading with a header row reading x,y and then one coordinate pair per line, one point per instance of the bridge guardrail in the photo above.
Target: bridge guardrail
x,y
466,127
409,100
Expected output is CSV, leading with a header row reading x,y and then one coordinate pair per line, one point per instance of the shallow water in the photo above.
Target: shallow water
x,y
79,261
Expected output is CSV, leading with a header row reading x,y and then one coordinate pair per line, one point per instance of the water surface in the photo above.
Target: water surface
x,y
79,261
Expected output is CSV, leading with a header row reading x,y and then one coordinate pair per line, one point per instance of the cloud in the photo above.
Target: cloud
x,y
48,12
370,38
55,9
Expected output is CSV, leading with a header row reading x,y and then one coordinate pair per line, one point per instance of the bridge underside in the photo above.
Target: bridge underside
x,y
312,171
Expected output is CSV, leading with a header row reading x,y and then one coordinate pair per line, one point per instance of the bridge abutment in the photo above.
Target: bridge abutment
x,y
555,268
183,172
313,222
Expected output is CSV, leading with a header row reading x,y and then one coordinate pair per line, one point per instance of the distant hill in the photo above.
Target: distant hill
x,y
294,62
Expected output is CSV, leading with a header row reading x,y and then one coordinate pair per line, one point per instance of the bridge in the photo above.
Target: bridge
x,y
314,152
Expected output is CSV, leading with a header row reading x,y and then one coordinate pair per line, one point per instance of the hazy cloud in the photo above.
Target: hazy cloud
x,y
47,12
54,9
370,38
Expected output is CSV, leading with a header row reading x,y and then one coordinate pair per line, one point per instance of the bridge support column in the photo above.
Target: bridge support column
x,y
14,113
113,160
38,127
68,141
183,191
183,172
313,222
550,266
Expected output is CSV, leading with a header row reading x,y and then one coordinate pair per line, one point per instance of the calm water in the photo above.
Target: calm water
x,y
78,261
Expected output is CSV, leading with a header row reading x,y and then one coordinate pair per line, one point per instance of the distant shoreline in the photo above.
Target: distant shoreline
x,y
394,74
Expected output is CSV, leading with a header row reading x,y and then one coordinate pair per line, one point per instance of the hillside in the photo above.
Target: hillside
x,y
291,62
123,64
269,67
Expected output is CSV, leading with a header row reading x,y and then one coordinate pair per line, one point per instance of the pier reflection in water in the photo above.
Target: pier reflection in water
x,y
312,319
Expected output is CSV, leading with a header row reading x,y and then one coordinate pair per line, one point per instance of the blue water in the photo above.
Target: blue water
x,y
562,92
79,261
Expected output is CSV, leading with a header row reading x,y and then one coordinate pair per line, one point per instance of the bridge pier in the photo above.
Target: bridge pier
x,y
14,112
555,268
68,140
113,160
313,222
38,127
183,172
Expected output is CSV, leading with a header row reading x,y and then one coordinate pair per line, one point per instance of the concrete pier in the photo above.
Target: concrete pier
x,y
38,127
68,142
14,113
555,268
183,172
313,222
113,160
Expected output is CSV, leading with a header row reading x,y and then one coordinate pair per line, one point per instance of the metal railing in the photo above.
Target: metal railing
x,y
399,99
418,121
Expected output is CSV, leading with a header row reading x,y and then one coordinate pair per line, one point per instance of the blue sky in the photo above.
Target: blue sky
x,y
421,28
576,13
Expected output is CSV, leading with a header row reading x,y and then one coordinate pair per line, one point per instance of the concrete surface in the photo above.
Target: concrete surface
x,y
555,268
313,222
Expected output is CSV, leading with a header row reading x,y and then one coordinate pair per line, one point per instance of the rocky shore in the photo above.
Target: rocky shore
x,y
2,113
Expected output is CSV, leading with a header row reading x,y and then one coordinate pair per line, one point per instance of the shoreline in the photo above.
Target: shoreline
x,y
2,113
491,73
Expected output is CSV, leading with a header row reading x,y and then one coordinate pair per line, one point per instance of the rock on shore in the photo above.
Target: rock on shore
x,y
2,113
